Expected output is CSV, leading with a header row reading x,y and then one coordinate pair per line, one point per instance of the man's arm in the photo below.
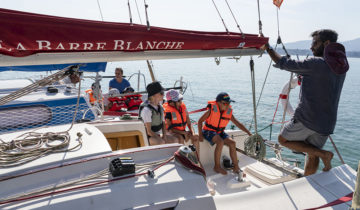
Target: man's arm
x,y
240,125
272,53
300,67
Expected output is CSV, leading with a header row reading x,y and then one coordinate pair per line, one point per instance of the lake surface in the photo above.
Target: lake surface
x,y
206,79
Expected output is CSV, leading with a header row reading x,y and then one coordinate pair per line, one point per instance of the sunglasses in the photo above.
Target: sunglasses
x,y
225,103
162,92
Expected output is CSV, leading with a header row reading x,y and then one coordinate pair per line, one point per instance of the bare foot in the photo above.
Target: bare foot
x,y
236,169
220,170
327,160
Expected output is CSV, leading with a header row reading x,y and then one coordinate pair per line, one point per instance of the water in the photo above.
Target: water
x,y
206,79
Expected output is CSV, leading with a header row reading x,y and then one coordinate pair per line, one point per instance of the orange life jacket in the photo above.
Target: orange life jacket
x,y
178,120
217,121
91,95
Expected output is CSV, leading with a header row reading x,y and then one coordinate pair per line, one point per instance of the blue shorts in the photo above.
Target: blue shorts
x,y
209,135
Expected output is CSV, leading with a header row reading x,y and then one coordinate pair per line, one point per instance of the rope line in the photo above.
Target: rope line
x,y
260,23
101,15
137,7
227,31
33,145
131,22
58,188
237,24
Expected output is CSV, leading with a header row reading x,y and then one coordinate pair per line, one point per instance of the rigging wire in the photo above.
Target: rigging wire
x,y
131,22
237,24
146,14
137,8
227,31
102,18
260,23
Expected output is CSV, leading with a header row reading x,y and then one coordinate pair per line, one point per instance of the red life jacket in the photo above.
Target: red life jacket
x,y
178,119
133,101
217,121
118,104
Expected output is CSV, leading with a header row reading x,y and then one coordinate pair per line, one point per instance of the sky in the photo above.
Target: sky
x,y
297,18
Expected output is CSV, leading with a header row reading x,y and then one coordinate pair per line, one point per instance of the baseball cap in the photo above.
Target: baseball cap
x,y
224,97
173,95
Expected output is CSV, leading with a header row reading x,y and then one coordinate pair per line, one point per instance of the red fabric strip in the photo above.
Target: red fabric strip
x,y
341,200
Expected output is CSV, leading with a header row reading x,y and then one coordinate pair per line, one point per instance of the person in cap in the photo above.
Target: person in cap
x,y
152,114
177,119
216,118
322,80
119,82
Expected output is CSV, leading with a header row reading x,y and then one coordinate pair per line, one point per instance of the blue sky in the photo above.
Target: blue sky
x,y
298,18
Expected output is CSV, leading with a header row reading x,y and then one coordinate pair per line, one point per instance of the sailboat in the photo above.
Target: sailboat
x,y
108,164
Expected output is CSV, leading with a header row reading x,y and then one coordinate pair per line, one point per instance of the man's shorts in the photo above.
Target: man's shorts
x,y
296,131
209,135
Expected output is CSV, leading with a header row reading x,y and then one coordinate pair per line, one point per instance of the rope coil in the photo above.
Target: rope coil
x,y
254,146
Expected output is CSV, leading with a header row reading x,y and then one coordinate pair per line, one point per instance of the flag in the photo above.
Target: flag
x,y
277,3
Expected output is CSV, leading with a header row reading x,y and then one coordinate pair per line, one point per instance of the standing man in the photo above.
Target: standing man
x,y
322,80
119,82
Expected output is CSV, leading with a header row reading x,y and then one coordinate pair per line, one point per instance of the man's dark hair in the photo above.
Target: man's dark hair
x,y
326,34
118,68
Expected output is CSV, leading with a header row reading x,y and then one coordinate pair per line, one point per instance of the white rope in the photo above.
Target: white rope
x,y
252,73
33,145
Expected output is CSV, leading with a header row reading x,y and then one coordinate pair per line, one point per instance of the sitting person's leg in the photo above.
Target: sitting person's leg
x,y
214,139
219,142
170,138
297,137
232,150
155,140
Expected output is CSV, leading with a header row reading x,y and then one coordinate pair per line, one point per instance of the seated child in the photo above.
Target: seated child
x,y
177,119
216,118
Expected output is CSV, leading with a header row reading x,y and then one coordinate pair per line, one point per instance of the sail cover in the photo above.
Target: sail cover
x,y
23,34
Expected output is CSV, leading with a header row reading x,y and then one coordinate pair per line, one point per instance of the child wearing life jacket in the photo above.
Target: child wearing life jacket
x,y
216,118
177,119
152,114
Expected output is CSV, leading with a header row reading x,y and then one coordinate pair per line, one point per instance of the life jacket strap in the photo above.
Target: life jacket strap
x,y
217,129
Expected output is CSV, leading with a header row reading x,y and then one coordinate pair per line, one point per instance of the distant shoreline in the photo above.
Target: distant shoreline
x,y
350,54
